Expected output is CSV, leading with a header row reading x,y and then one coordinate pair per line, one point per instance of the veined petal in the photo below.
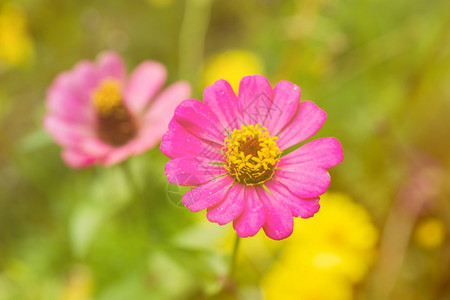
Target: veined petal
x,y
279,221
304,181
324,152
199,120
255,99
230,208
190,171
286,97
208,194
221,99
178,142
308,119
300,207
253,216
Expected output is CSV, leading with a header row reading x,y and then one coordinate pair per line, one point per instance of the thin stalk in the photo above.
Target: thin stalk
x,y
192,38
233,259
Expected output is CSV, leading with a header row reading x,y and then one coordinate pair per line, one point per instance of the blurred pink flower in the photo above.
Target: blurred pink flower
x,y
230,148
99,116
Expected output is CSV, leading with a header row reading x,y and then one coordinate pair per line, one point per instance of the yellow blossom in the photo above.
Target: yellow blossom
x,y
232,65
15,44
326,254
430,232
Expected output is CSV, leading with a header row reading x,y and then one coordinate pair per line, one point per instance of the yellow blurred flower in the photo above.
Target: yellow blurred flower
x,y
285,282
232,65
78,285
331,251
16,47
430,232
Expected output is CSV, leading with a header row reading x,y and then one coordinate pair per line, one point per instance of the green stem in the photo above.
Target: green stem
x,y
128,174
192,38
233,258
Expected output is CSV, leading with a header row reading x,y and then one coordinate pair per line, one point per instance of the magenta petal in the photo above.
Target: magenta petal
x,y
221,99
190,171
286,97
300,207
111,66
208,194
230,208
255,99
304,181
143,85
324,152
178,142
308,119
279,221
253,215
198,119
76,159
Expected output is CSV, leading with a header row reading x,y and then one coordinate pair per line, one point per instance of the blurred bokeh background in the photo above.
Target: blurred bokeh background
x,y
381,70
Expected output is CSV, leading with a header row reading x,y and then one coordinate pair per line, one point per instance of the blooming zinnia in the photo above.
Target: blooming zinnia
x,y
231,149
101,117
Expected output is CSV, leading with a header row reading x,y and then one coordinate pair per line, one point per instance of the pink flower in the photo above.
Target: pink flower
x,y
231,149
101,117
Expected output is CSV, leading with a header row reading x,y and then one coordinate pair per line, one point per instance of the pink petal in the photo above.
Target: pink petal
x,y
77,159
197,118
230,208
308,119
65,101
253,215
221,99
279,221
64,132
299,207
144,83
86,76
178,142
190,171
146,140
208,194
255,99
94,147
303,171
117,155
286,97
162,109
111,66
304,181
324,152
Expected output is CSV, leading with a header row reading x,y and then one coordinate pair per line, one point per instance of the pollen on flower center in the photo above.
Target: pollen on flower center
x,y
115,124
252,154
107,97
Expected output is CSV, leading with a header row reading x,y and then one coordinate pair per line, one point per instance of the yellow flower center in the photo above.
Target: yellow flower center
x,y
115,124
252,154
107,97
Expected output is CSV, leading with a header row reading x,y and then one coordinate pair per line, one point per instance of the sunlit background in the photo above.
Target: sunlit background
x,y
381,70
